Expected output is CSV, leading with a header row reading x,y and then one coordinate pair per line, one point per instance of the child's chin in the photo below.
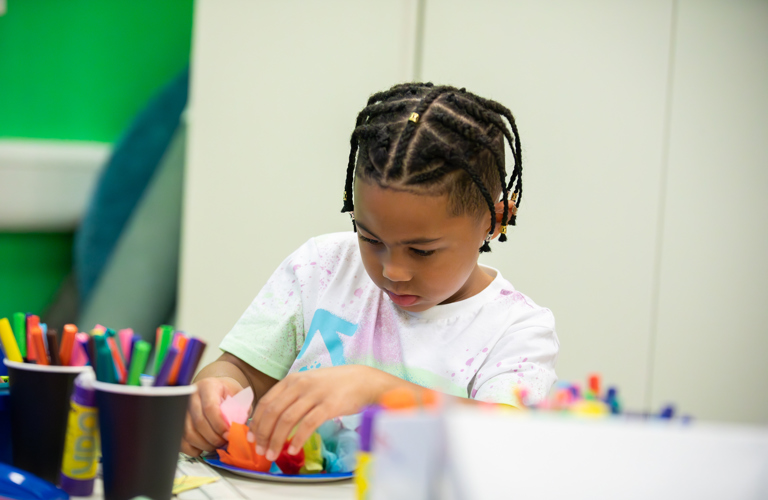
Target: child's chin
x,y
416,308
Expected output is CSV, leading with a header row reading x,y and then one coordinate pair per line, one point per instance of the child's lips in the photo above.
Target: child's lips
x,y
403,300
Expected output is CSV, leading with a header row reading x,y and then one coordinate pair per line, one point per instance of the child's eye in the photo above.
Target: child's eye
x,y
422,253
368,240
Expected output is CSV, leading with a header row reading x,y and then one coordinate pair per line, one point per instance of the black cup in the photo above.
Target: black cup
x,y
141,430
39,410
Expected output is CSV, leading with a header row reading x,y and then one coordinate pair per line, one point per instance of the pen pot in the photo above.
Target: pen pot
x,y
141,430
39,400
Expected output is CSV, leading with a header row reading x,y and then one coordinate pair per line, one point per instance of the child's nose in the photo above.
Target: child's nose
x,y
392,270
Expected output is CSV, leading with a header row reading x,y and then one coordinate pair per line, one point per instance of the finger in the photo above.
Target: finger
x,y
189,449
193,438
274,393
265,418
309,424
202,427
210,402
285,424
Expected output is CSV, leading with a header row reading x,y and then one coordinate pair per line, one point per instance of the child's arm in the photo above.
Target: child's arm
x,y
205,428
307,399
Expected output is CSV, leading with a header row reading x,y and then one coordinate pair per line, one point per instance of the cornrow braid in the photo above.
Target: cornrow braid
x,y
407,134
416,134
518,171
473,134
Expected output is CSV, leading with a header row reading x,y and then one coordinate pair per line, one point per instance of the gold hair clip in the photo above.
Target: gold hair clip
x,y
345,196
414,118
514,197
503,229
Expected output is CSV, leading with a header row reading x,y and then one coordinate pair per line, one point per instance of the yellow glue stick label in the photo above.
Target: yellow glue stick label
x,y
80,447
363,475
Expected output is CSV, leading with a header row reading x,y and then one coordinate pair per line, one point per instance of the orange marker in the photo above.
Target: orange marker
x,y
67,343
180,343
118,360
32,323
37,340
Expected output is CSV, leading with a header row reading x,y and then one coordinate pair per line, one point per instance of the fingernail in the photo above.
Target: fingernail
x,y
260,450
271,456
292,450
251,437
226,435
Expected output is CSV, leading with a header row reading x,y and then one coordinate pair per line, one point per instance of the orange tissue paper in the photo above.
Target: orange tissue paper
x,y
241,453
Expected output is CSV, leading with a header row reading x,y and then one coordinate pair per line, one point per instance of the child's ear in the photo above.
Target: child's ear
x,y
500,214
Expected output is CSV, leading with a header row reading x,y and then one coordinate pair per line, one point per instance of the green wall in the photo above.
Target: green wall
x,y
80,69
77,70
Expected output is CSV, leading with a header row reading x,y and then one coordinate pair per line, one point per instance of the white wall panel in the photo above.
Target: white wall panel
x,y
713,319
276,89
587,83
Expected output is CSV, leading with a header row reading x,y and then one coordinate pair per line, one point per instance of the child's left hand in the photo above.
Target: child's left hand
x,y
308,399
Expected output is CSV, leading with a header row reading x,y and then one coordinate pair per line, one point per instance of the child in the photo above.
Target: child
x,y
402,300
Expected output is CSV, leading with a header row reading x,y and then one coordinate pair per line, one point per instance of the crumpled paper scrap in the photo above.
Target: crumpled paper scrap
x,y
237,408
241,453
186,483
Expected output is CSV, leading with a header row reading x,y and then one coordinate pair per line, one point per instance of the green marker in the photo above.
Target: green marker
x,y
139,358
166,336
20,332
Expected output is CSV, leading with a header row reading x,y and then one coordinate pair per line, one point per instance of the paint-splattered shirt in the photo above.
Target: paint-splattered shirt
x,y
321,309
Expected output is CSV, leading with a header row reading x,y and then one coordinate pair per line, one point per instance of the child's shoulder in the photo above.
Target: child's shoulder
x,y
327,251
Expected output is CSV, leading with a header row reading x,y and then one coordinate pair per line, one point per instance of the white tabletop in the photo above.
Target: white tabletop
x,y
231,486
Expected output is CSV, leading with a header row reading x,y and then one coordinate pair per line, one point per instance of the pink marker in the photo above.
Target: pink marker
x,y
79,355
126,339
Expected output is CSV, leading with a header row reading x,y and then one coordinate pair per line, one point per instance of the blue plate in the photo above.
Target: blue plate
x,y
280,478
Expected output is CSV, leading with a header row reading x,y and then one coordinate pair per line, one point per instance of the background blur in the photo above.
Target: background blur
x,y
643,124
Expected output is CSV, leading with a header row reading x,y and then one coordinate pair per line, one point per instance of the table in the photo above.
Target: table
x,y
232,486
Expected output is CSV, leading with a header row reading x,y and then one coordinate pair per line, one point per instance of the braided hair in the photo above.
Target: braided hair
x,y
439,140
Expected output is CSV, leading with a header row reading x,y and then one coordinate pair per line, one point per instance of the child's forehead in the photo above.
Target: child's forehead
x,y
406,214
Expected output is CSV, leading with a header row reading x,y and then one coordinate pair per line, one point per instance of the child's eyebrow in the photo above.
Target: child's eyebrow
x,y
416,241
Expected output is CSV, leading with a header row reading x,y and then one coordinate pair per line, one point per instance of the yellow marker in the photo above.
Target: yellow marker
x,y
9,342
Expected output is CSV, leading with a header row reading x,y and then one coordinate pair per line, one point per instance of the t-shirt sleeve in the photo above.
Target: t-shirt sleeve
x,y
270,333
524,357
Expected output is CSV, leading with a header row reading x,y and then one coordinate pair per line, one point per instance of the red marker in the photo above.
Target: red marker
x,y
594,384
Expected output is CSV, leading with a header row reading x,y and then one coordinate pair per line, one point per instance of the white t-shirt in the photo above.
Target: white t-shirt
x,y
321,309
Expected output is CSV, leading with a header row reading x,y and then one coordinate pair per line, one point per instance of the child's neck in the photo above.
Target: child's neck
x,y
478,281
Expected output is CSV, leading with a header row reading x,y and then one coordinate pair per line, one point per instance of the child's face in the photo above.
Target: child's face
x,y
414,250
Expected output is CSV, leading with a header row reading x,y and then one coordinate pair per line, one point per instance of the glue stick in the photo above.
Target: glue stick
x,y
78,467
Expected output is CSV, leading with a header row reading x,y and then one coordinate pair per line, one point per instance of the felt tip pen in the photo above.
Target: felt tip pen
x,y
105,368
139,358
41,356
125,336
161,379
53,346
32,322
67,343
20,331
161,349
122,373
10,346
181,344
79,354
192,354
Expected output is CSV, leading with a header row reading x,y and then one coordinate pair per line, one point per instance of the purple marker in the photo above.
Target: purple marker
x,y
165,370
366,427
192,354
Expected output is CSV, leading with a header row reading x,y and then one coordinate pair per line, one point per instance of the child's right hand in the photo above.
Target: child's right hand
x,y
205,427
